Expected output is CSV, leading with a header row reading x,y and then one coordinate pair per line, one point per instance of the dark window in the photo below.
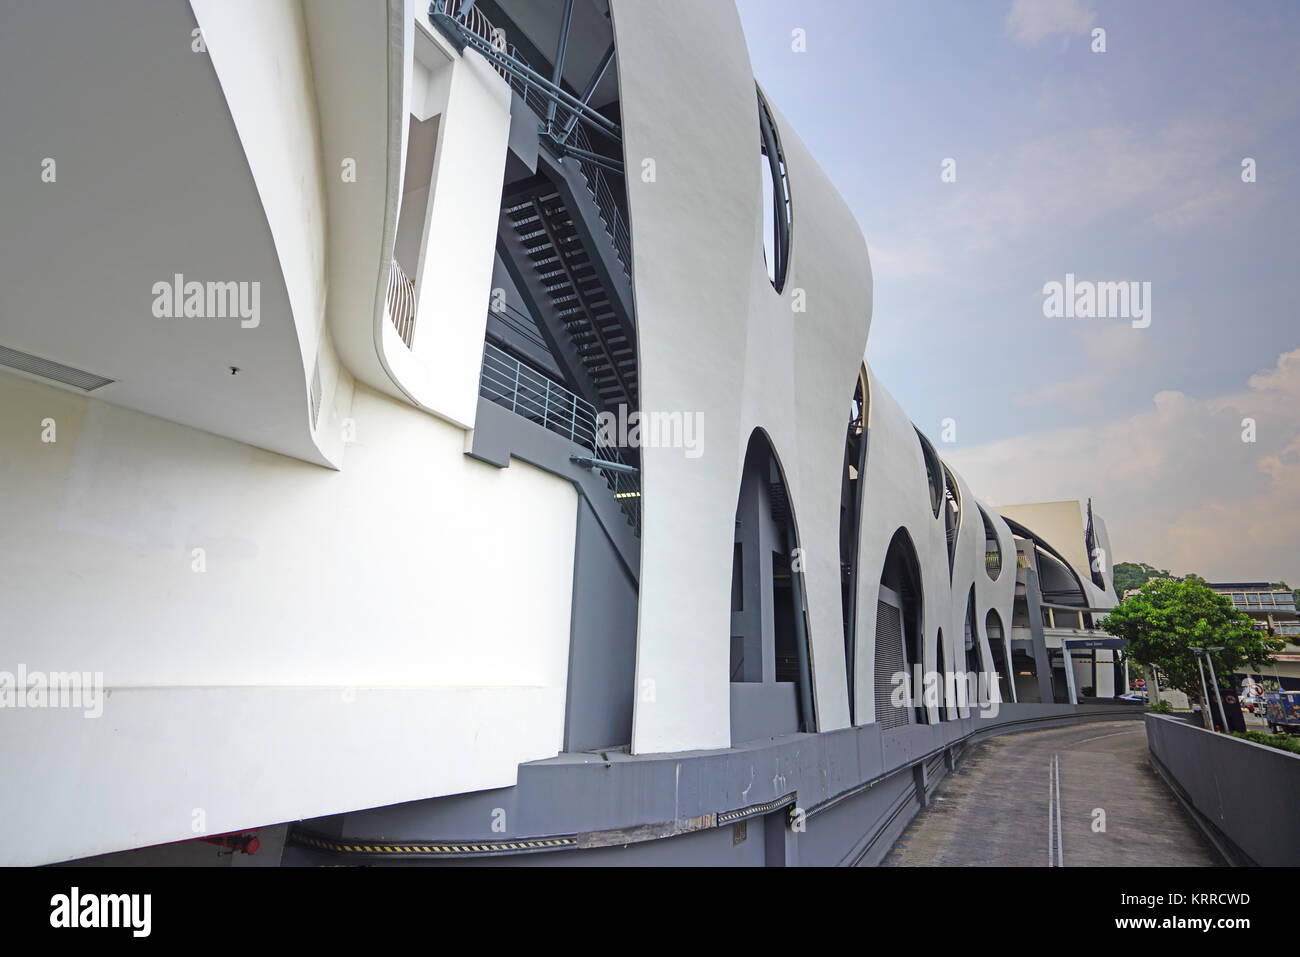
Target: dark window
x,y
933,473
777,212
992,550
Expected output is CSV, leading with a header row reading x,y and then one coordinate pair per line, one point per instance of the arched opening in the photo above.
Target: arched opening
x,y
778,216
770,671
992,548
851,484
898,634
998,649
1026,674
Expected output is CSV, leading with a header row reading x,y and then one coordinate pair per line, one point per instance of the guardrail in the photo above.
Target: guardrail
x,y
476,22
523,390
1241,794
526,392
598,183
401,303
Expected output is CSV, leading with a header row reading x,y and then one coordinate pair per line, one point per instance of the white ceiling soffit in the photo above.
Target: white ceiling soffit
x,y
362,105
144,179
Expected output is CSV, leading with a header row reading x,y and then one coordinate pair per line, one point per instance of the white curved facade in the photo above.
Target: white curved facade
x,y
295,575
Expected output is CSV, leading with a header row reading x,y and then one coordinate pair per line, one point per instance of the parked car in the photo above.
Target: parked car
x,y
1135,696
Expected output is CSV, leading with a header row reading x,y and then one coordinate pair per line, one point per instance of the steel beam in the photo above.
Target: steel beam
x,y
561,47
601,69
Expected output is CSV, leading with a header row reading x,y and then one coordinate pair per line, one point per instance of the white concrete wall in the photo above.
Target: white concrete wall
x,y
693,234
896,495
998,593
969,569
701,289
454,283
258,49
361,54
438,586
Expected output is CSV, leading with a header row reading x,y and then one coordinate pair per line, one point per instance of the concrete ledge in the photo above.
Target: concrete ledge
x,y
1241,794
858,788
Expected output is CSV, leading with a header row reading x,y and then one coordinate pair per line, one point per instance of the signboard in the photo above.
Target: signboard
x,y
1073,643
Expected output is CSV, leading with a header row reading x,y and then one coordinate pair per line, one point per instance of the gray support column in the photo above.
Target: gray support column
x,y
1034,603
800,636
1069,674
747,623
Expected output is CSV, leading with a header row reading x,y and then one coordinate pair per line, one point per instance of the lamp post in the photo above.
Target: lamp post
x,y
1205,695
1218,694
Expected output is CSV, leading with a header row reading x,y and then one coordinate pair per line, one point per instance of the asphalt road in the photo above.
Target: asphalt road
x,y
1080,796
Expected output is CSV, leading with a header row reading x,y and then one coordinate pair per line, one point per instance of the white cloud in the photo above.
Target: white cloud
x,y
1067,184
1176,484
1032,21
1108,352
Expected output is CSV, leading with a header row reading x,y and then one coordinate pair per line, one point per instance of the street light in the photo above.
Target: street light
x,y
1218,695
1205,695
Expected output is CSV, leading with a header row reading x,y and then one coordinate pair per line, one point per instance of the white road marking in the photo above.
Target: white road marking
x,y
1051,799
1110,735
1060,846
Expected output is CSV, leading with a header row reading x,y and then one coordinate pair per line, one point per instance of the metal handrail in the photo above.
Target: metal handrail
x,y
526,392
401,302
474,21
603,193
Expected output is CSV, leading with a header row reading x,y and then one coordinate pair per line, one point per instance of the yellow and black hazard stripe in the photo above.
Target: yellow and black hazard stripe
x,y
429,848
754,810
462,849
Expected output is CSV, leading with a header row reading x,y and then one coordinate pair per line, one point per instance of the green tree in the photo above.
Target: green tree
x,y
1167,618
1135,574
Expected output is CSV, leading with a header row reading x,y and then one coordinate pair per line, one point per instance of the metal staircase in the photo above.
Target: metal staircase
x,y
558,271
564,240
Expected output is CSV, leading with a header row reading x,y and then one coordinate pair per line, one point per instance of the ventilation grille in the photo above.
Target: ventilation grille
x,y
315,395
889,661
47,369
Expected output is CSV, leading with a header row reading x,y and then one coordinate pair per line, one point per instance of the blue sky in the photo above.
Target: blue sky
x,y
1122,165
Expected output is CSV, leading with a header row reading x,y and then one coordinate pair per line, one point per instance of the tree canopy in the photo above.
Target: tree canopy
x,y
1135,574
1167,618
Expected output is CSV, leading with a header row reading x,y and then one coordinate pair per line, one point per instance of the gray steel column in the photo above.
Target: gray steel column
x,y
1071,692
1033,602
800,633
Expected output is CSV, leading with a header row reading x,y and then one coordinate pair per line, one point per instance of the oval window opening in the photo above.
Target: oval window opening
x,y
777,214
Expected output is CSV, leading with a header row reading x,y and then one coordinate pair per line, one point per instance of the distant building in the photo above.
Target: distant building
x,y
1274,610
1063,591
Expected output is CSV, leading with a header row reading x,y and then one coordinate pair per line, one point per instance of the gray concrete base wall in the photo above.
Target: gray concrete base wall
x,y
855,790
1243,795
